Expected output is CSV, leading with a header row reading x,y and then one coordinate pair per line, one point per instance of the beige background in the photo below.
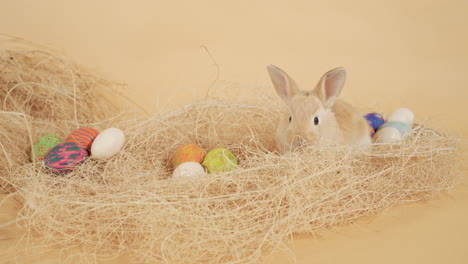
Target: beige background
x,y
398,53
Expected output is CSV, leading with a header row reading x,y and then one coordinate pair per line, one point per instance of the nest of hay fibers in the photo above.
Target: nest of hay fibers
x,y
39,91
129,204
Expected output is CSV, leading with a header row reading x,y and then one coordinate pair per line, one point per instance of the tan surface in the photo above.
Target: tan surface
x,y
398,53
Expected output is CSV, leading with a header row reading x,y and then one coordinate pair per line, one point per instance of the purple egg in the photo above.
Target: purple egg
x,y
375,120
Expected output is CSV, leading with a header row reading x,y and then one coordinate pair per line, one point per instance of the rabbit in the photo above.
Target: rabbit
x,y
317,115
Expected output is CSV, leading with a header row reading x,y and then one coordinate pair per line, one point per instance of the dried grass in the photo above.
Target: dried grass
x,y
130,205
42,92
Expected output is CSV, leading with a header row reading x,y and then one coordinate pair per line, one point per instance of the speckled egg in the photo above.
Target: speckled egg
x,y
375,120
83,136
45,143
65,157
189,152
220,160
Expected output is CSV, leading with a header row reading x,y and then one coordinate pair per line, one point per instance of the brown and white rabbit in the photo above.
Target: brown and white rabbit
x,y
317,114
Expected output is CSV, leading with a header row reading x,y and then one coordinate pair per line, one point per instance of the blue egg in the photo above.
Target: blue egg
x,y
375,120
402,127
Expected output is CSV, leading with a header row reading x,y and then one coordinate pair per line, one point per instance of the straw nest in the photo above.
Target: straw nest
x,y
42,92
129,204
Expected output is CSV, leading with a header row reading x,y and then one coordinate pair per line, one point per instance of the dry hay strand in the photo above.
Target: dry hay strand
x,y
39,89
129,204
43,85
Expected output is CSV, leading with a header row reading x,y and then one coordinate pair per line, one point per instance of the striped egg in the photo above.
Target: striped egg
x,y
65,157
83,136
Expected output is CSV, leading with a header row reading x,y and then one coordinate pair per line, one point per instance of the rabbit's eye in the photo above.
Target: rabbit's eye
x,y
316,120
290,118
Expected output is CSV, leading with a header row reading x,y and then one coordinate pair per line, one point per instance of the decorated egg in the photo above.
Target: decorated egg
x,y
392,132
186,153
387,135
65,157
188,169
403,128
404,115
375,120
219,160
83,136
108,143
45,143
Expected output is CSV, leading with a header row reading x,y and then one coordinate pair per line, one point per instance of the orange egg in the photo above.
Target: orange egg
x,y
189,152
83,136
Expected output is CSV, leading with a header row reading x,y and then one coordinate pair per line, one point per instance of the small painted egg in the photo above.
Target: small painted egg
x,y
375,120
188,169
219,160
392,132
108,143
65,157
404,115
387,135
186,153
83,136
403,128
45,143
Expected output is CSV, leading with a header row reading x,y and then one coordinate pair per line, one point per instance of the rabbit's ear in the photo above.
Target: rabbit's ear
x,y
330,86
284,85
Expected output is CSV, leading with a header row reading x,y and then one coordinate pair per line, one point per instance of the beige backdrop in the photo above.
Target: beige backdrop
x,y
398,53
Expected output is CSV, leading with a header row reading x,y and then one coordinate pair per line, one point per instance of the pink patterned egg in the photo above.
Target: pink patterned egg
x,y
65,157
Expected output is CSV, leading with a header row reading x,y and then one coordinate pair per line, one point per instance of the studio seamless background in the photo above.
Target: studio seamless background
x,y
398,53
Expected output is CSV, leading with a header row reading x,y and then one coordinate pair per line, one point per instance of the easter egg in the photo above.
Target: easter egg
x,y
403,128
45,143
404,115
375,120
65,157
108,143
189,152
219,160
387,135
392,132
83,136
188,169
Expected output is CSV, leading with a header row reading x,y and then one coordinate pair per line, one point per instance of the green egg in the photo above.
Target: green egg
x,y
45,143
219,160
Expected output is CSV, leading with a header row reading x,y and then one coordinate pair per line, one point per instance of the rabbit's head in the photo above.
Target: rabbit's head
x,y
310,116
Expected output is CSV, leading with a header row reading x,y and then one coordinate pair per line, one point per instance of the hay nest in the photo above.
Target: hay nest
x,y
41,92
129,204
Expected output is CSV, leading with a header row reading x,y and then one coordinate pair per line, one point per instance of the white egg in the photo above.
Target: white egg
x,y
404,115
108,143
188,169
387,135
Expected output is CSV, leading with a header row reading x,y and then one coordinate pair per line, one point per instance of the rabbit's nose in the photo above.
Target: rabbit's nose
x,y
300,141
